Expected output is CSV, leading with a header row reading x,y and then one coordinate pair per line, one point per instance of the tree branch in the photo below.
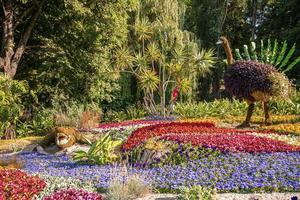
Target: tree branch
x,y
25,13
3,30
8,39
24,39
1,63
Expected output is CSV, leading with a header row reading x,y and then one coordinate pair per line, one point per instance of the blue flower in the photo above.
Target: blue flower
x,y
227,172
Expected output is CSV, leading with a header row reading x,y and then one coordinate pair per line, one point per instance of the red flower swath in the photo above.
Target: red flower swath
x,y
235,142
206,134
17,185
142,134
73,194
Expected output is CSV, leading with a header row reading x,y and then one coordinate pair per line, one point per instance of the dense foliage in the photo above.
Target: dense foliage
x,y
124,53
11,108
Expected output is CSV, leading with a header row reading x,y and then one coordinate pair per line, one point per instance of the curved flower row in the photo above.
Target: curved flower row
x,y
142,134
206,134
235,142
230,172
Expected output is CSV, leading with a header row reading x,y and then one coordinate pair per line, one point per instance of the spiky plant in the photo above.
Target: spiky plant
x,y
274,53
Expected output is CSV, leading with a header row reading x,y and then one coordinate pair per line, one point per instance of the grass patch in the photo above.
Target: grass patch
x,y
18,144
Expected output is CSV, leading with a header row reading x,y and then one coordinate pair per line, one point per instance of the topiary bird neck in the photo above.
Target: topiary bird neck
x,y
228,53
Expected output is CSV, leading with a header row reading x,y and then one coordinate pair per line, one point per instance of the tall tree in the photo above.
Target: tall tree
x,y
69,54
16,14
165,56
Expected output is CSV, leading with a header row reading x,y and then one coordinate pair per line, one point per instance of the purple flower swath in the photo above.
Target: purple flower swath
x,y
225,172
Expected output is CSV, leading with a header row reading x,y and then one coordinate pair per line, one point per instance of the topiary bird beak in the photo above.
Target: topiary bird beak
x,y
219,42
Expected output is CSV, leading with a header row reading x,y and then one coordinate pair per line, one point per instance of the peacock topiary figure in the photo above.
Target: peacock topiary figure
x,y
253,81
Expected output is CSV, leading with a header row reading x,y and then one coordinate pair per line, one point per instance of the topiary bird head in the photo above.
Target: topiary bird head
x,y
223,40
225,43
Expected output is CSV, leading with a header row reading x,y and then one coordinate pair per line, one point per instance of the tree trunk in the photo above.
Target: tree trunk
x,y
10,57
10,132
11,53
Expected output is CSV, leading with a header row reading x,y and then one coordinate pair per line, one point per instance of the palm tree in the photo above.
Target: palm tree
x,y
123,59
143,31
153,53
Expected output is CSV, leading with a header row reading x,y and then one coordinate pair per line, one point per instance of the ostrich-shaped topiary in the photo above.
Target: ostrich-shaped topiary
x,y
248,80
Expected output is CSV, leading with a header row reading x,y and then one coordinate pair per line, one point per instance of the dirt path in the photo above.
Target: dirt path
x,y
233,196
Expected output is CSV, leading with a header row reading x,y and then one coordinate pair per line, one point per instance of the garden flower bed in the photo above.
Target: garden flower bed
x,y
73,194
230,172
16,184
232,160
207,135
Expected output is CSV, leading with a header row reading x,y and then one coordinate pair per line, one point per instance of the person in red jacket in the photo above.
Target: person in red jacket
x,y
174,97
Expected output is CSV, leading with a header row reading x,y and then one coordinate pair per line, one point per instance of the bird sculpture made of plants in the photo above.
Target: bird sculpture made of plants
x,y
253,81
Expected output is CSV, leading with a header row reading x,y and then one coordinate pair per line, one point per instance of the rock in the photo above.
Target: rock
x,y
41,150
29,148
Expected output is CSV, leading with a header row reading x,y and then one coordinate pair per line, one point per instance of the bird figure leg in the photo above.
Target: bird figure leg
x,y
246,123
267,113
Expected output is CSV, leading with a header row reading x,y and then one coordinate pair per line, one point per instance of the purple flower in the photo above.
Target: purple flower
x,y
227,172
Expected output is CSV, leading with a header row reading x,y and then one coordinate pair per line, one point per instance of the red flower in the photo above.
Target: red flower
x,y
17,185
142,134
74,194
207,135
235,142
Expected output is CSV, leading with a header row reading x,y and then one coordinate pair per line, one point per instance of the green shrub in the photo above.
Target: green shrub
x,y
129,113
41,123
284,107
197,193
135,112
11,108
217,108
101,152
225,108
114,116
